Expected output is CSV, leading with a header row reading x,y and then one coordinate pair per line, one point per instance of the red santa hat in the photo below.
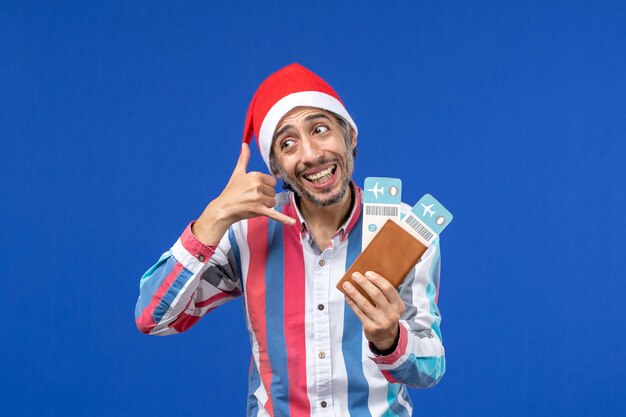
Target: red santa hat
x,y
290,87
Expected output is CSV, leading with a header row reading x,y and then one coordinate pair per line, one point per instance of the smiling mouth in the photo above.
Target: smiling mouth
x,y
321,176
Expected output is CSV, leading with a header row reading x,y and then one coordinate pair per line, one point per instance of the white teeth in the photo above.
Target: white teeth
x,y
320,174
321,180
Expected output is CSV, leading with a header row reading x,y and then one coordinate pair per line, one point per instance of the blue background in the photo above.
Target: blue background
x,y
120,121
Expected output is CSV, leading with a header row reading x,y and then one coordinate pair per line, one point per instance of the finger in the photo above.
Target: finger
x,y
387,289
268,202
268,180
358,312
266,190
363,303
372,290
260,182
278,216
244,158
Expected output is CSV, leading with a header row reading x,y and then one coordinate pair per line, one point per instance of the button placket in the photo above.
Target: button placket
x,y
321,328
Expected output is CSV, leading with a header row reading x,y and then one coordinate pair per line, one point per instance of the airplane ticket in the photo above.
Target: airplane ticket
x,y
381,201
427,219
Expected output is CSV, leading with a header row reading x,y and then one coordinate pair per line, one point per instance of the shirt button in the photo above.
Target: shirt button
x,y
320,307
322,262
323,404
322,355
200,258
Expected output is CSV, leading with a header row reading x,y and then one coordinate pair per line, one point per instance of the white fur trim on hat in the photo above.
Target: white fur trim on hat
x,y
289,102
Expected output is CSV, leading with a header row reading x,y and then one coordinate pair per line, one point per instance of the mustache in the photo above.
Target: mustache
x,y
319,162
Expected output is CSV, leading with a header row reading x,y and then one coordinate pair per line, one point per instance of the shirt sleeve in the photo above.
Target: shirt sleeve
x,y
419,357
187,282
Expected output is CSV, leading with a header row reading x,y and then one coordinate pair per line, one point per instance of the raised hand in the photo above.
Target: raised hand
x,y
247,195
380,321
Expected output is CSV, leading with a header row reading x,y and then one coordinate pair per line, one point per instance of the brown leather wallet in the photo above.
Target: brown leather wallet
x,y
391,254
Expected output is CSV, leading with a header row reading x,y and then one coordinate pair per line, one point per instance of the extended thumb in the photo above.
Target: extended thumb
x,y
244,157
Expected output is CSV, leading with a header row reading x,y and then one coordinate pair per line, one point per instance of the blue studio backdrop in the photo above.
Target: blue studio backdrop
x,y
120,121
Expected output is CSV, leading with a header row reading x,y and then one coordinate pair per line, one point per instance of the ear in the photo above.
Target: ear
x,y
353,135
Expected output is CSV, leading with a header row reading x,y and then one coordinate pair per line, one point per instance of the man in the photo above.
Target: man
x,y
315,351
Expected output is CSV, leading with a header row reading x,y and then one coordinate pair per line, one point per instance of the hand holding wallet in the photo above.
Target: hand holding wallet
x,y
392,254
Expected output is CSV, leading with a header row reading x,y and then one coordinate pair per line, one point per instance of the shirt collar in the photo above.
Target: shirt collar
x,y
347,226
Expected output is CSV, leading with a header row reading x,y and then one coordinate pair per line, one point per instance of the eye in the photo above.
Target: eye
x,y
320,129
287,143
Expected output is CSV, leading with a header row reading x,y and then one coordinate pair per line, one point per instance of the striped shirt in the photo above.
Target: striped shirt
x,y
309,354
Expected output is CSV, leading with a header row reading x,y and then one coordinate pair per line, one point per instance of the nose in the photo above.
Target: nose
x,y
311,150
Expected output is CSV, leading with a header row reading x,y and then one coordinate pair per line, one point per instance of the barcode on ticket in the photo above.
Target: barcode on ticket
x,y
419,227
377,210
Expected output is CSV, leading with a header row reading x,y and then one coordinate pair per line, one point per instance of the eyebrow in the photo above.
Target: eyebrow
x,y
285,128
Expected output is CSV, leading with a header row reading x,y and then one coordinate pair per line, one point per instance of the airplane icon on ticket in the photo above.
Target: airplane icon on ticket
x,y
427,209
376,190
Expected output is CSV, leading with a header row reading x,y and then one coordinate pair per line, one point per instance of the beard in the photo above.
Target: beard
x,y
295,184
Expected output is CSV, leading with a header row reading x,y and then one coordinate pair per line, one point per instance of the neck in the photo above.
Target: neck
x,y
327,218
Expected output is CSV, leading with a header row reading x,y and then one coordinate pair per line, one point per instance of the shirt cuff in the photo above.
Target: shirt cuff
x,y
197,249
399,350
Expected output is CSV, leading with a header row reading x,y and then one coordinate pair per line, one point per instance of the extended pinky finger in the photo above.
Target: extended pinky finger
x,y
273,214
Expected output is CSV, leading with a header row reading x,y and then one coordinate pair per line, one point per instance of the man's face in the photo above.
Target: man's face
x,y
313,155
